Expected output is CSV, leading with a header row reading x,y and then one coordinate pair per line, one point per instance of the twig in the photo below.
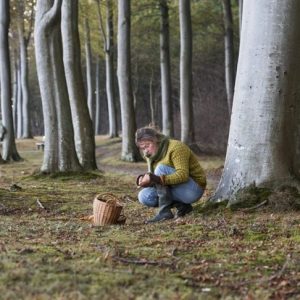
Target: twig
x,y
255,206
281,271
40,204
142,262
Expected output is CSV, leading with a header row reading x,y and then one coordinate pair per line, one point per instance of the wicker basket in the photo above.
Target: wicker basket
x,y
106,209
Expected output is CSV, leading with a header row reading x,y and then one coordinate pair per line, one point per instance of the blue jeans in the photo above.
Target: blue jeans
x,y
187,192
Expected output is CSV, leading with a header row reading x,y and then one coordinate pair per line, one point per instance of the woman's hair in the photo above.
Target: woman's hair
x,y
148,133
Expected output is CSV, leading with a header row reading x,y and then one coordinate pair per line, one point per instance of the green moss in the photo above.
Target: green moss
x,y
249,197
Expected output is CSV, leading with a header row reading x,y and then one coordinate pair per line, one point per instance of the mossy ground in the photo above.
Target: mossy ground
x,y
55,253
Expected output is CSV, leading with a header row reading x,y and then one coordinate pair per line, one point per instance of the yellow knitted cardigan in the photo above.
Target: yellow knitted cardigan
x,y
180,157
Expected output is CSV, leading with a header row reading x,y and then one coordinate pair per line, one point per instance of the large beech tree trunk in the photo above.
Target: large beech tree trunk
x,y
59,154
9,150
186,99
83,127
165,69
264,140
129,149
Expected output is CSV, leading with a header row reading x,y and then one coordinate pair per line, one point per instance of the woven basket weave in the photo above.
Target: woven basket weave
x,y
106,209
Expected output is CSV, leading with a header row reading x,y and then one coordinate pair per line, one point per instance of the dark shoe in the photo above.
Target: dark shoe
x,y
164,205
161,216
182,209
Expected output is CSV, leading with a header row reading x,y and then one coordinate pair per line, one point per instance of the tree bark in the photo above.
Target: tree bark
x,y
9,150
129,149
186,100
110,72
15,94
109,49
83,127
98,98
26,126
89,75
229,53
19,104
263,146
165,69
240,14
59,154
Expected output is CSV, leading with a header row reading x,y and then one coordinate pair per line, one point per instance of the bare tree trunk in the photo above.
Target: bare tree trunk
x,y
108,38
26,128
20,105
83,128
15,94
240,14
129,149
89,71
165,69
152,100
98,98
264,139
59,154
186,100
9,150
229,53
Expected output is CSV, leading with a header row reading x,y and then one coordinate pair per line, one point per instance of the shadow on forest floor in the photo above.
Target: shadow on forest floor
x,y
48,250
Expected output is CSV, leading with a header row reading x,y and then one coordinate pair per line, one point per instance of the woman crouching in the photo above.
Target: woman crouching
x,y
174,178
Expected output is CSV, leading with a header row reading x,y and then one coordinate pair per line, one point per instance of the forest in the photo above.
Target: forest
x,y
78,78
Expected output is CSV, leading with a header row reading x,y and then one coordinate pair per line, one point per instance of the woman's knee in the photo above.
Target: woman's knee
x,y
148,197
163,170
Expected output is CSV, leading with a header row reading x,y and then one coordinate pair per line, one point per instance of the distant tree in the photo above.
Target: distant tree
x,y
229,52
263,146
15,93
165,69
98,97
89,70
23,48
60,154
83,127
129,149
186,105
19,103
9,150
109,49
240,13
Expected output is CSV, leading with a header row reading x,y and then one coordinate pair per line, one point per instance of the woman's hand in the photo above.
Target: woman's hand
x,y
147,180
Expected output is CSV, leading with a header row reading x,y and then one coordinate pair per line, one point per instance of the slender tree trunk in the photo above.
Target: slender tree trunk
x,y
152,100
110,72
15,94
186,104
240,14
129,149
98,98
229,53
59,154
109,49
89,71
26,128
20,105
165,69
83,128
264,139
9,150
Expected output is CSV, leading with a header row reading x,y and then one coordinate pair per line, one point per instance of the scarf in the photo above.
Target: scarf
x,y
161,152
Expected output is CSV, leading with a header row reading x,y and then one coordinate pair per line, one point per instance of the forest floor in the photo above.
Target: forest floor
x,y
49,250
